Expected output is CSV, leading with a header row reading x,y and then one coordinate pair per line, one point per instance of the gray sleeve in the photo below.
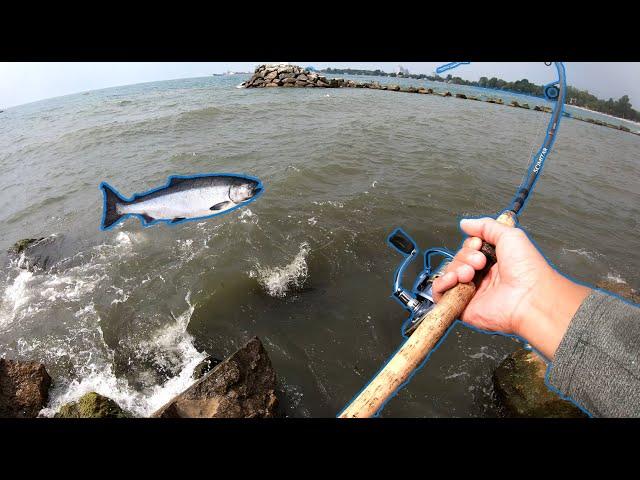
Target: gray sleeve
x,y
597,363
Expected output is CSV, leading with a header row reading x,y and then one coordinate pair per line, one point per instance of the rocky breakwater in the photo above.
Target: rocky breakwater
x,y
287,76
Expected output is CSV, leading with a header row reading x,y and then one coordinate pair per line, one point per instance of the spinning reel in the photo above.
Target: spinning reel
x,y
419,300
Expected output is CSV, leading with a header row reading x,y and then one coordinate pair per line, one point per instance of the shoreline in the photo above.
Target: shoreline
x,y
286,75
637,124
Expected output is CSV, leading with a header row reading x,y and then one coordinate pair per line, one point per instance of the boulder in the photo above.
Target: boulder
x,y
302,77
24,388
205,366
321,83
271,84
461,95
35,254
91,405
520,387
271,75
393,87
446,94
289,80
242,386
300,84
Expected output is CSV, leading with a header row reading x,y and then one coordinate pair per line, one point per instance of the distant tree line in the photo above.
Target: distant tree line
x,y
621,108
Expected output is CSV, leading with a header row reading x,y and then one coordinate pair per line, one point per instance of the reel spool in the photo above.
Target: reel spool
x,y
418,300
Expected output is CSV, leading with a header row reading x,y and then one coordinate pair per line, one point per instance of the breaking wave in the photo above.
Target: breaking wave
x,y
76,352
277,281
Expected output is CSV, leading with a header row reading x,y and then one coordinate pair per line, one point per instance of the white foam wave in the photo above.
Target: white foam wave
x,y
613,277
172,345
77,348
582,252
278,280
247,216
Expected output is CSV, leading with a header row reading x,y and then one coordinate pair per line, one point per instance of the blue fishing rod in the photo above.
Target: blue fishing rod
x,y
428,322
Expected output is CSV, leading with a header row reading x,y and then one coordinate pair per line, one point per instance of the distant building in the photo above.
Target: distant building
x,y
400,70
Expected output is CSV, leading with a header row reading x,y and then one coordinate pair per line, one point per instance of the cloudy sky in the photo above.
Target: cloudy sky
x,y
27,82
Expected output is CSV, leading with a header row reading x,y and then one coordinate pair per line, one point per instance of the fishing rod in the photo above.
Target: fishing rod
x,y
429,321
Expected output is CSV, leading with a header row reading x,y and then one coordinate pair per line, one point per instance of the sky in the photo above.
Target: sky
x,y
25,82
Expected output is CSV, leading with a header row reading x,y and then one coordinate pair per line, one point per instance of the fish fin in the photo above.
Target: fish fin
x,y
177,219
112,199
147,218
221,206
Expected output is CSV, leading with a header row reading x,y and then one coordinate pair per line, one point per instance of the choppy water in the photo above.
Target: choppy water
x,y
129,312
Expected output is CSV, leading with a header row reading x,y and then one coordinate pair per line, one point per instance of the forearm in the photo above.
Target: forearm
x,y
544,321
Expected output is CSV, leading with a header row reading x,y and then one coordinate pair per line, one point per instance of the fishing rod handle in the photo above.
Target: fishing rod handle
x,y
413,352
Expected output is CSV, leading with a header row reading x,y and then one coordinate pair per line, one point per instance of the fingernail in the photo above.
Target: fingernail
x,y
477,256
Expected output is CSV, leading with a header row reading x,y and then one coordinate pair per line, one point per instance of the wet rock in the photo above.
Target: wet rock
x,y
242,386
619,288
520,387
205,366
446,94
461,95
408,89
393,87
35,254
24,388
91,405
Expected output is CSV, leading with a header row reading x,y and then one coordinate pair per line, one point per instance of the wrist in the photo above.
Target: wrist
x,y
545,318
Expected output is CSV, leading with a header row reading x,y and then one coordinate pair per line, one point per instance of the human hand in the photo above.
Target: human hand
x,y
521,294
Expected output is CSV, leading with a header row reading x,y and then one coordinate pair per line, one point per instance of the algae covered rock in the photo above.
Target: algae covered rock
x,y
520,387
24,388
91,405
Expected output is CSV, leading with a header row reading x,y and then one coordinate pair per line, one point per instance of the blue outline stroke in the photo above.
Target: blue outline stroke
x,y
168,184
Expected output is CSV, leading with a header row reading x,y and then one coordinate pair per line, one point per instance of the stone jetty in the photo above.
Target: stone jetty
x,y
292,76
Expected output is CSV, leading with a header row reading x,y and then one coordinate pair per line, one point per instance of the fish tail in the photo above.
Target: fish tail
x,y
112,199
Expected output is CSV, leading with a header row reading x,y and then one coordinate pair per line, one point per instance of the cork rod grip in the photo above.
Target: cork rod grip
x,y
413,352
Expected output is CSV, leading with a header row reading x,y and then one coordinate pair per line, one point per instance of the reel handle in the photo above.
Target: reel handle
x,y
432,326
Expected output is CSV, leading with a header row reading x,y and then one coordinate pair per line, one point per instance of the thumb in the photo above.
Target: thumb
x,y
486,228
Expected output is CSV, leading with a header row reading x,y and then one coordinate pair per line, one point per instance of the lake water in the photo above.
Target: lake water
x,y
129,312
